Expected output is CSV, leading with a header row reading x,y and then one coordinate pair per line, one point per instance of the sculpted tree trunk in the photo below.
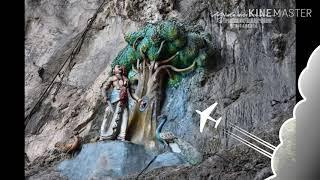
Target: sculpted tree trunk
x,y
142,119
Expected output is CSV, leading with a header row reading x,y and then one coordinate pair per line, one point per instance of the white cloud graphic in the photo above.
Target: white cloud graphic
x,y
283,162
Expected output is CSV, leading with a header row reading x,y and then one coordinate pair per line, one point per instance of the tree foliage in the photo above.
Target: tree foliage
x,y
188,43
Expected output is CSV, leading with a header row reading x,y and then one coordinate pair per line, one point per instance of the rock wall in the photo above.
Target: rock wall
x,y
251,76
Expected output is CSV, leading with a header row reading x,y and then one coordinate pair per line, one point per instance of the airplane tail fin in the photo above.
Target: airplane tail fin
x,y
218,122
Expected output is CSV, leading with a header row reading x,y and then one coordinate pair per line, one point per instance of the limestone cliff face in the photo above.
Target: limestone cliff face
x,y
68,56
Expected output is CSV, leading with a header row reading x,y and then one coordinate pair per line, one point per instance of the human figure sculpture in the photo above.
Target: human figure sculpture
x,y
117,104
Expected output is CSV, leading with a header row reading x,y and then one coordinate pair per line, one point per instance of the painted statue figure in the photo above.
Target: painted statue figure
x,y
116,126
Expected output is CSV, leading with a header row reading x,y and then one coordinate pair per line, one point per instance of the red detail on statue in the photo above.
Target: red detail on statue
x,y
123,96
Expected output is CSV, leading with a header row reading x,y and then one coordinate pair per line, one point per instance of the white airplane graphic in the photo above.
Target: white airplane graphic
x,y
206,115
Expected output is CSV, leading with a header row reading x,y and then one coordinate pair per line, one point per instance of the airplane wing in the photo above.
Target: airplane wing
x,y
202,123
209,109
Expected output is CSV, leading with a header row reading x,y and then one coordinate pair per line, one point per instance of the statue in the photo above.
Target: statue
x,y
117,104
162,51
156,55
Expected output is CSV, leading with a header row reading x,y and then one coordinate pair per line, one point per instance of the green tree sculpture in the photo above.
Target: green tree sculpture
x,y
151,52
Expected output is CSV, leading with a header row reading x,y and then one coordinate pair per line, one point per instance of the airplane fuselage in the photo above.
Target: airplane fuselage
x,y
205,115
